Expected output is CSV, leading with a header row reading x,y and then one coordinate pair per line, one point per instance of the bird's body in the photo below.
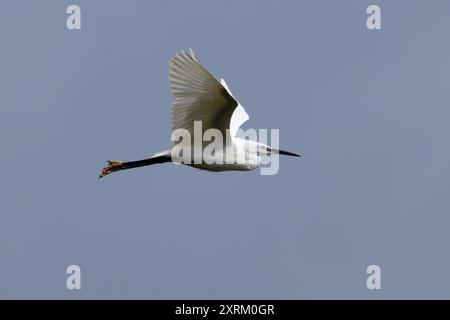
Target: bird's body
x,y
240,155
201,99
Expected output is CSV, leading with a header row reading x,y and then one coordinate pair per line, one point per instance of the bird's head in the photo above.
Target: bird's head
x,y
265,150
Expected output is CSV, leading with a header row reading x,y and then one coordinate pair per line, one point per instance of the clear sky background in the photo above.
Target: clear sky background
x,y
368,110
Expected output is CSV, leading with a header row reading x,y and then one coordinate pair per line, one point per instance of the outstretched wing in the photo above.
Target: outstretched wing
x,y
200,97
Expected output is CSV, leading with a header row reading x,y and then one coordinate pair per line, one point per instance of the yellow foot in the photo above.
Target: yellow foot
x,y
112,167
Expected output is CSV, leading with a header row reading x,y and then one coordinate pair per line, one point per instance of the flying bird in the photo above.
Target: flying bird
x,y
201,97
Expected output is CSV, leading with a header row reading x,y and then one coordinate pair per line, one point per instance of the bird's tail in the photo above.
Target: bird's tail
x,y
116,165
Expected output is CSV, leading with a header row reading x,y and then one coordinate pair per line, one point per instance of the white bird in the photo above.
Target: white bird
x,y
201,97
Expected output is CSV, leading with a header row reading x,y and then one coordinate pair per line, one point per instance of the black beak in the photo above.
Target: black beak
x,y
286,153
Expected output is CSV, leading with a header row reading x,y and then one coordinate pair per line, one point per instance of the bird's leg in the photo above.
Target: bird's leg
x,y
113,166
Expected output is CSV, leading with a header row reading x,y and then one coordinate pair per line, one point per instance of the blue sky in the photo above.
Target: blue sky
x,y
368,110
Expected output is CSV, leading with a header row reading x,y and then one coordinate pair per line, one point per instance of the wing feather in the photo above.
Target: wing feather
x,y
198,96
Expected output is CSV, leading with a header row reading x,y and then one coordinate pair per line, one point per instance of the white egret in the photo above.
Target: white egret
x,y
200,97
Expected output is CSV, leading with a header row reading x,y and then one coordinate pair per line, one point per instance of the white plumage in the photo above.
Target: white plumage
x,y
201,97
